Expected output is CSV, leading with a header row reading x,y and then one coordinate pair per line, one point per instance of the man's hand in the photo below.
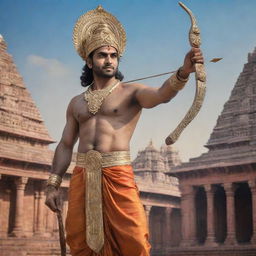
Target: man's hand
x,y
52,198
192,57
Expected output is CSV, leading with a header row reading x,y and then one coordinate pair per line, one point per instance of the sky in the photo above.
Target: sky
x,y
39,37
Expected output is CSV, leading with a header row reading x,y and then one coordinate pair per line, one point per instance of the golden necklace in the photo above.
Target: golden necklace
x,y
95,98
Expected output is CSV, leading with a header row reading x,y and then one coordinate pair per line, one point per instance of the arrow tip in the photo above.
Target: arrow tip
x,y
214,60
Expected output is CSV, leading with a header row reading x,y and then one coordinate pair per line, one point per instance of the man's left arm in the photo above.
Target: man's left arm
x,y
149,97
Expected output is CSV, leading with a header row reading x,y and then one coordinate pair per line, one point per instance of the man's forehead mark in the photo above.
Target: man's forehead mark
x,y
107,48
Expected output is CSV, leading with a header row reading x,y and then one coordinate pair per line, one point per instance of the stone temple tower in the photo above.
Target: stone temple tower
x,y
25,160
218,188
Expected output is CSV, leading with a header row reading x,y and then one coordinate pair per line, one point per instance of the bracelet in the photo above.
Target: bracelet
x,y
179,77
54,180
175,83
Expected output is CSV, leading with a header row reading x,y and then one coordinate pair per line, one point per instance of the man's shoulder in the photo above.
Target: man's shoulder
x,y
77,98
132,86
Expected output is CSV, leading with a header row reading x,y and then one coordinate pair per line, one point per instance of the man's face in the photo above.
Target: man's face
x,y
104,62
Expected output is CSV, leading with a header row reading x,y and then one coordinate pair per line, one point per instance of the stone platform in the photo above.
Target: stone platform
x,y
29,247
241,250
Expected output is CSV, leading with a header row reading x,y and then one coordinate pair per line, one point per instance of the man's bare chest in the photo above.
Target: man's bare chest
x,y
116,105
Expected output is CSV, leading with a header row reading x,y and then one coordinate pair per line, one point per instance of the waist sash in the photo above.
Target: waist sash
x,y
93,162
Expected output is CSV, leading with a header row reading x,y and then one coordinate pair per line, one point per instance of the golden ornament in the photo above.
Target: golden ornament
x,y
95,98
98,28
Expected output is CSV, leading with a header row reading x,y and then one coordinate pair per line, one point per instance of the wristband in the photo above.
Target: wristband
x,y
54,180
179,77
176,83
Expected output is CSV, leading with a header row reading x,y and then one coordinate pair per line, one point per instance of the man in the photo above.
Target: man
x,y
105,215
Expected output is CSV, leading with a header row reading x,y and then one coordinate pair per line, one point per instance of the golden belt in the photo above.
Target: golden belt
x,y
93,161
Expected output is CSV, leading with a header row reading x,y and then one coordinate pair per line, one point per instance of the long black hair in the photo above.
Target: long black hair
x,y
87,74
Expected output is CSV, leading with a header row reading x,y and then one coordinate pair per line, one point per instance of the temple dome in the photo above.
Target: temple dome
x,y
151,159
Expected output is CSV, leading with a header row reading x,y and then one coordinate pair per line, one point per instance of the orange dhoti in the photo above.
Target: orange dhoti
x,y
124,219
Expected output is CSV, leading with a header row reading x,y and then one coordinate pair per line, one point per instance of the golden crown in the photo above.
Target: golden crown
x,y
98,28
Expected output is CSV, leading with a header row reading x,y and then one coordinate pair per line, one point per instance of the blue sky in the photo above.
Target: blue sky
x,y
39,36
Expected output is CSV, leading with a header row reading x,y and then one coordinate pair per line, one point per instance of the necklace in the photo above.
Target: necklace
x,y
95,98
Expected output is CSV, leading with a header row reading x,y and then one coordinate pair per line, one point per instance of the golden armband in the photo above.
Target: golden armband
x,y
54,180
177,82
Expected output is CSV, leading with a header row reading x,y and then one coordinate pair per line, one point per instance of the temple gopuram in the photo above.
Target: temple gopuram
x,y
26,224
218,188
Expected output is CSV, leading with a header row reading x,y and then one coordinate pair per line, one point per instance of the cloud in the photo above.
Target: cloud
x,y
53,67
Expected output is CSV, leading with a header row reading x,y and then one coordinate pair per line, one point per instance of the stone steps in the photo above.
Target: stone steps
x,y
212,252
31,242
31,253
29,247
216,253
220,250
15,251
45,253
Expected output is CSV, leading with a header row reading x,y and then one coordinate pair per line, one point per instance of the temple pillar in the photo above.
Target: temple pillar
x,y
65,204
36,196
50,222
230,201
5,213
147,211
1,199
167,233
188,221
65,211
55,226
252,185
1,208
210,239
39,203
18,222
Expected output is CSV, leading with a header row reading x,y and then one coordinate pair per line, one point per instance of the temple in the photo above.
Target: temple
x,y
159,194
218,189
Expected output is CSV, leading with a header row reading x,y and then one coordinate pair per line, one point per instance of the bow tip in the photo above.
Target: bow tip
x,y
181,4
169,141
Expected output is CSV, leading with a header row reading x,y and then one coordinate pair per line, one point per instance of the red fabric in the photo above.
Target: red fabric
x,y
125,225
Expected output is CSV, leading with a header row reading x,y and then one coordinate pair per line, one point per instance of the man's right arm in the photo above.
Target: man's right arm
x,y
64,150
62,156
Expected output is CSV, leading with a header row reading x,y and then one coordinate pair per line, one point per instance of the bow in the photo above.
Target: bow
x,y
200,75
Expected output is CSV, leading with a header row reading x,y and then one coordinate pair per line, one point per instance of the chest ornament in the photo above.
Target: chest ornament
x,y
95,98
